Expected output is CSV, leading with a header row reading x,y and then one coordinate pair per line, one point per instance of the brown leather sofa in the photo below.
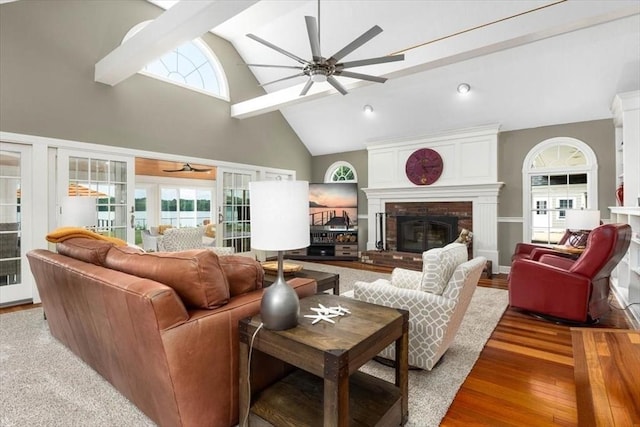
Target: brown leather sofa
x,y
162,327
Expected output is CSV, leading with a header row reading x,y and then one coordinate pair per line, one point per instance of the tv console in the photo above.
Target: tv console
x,y
329,244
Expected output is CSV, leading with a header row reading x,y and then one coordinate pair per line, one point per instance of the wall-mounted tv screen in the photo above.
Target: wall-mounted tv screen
x,y
333,205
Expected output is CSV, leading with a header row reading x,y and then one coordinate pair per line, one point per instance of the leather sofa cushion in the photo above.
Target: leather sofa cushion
x,y
195,275
243,274
87,250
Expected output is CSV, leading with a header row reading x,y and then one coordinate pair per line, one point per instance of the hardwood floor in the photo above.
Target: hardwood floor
x,y
524,375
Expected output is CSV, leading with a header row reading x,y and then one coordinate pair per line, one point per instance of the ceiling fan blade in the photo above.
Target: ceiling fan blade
x,y
278,49
200,170
306,87
368,35
360,76
284,78
371,61
173,170
335,83
314,38
293,67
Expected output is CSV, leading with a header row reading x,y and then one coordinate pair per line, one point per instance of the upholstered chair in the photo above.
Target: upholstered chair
x,y
436,297
570,290
181,239
535,251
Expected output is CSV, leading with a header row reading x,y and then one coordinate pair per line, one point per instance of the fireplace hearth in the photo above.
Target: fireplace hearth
x,y
420,233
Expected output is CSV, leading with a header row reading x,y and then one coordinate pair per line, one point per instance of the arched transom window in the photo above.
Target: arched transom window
x,y
558,174
341,172
192,65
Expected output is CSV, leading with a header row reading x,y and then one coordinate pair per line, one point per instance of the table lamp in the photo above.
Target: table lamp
x,y
581,222
279,222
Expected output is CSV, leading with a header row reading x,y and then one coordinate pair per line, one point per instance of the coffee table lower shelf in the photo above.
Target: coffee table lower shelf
x,y
296,401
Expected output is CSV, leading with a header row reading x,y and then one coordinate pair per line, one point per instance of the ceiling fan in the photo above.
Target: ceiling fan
x,y
187,168
321,69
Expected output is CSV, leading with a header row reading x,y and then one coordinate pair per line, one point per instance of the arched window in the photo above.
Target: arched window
x,y
341,172
192,65
557,175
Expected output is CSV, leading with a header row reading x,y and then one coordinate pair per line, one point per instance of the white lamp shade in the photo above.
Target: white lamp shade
x,y
582,219
78,211
279,215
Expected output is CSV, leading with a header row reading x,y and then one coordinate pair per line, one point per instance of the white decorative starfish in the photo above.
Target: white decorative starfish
x,y
326,313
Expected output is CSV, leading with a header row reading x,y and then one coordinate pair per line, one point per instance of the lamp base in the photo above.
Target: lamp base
x,y
280,306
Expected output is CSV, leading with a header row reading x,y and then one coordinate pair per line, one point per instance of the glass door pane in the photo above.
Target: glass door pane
x,y
10,198
15,196
106,179
234,210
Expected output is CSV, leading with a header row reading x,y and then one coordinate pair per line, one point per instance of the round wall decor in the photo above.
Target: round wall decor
x,y
424,166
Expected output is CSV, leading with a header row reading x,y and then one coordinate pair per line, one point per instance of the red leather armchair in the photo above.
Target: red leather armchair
x,y
573,290
534,251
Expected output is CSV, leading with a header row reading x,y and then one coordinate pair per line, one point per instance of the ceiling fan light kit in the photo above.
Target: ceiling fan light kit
x,y
464,88
187,168
320,69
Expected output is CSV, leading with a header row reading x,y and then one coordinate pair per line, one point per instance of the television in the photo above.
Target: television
x,y
333,205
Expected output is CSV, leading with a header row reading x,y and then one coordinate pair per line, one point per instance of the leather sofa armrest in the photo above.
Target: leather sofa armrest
x,y
537,253
557,260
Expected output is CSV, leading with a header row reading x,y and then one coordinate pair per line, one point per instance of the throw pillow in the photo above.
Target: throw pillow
x,y
196,275
85,249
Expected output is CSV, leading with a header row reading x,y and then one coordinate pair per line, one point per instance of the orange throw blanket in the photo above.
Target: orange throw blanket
x,y
63,233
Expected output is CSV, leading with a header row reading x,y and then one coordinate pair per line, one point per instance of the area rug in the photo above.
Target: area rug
x,y
42,383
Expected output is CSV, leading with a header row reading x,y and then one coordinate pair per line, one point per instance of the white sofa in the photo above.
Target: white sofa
x,y
436,297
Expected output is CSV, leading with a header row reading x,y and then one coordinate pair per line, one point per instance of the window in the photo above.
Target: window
x,y
564,204
192,65
541,207
340,172
184,207
558,174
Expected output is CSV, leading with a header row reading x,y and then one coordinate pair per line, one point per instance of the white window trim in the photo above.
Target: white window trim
x,y
591,169
331,169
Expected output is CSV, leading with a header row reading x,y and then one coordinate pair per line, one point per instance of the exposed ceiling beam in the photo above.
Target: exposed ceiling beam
x,y
185,21
526,29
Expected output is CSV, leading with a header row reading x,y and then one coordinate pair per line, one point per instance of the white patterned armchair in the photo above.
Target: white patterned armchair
x,y
181,239
436,298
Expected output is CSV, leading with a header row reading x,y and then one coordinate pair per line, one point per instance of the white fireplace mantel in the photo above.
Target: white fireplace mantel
x,y
484,199
469,175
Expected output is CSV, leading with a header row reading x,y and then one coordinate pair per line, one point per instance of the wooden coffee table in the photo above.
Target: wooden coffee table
x,y
325,281
328,389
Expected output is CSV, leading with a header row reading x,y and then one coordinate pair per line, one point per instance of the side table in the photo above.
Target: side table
x,y
327,389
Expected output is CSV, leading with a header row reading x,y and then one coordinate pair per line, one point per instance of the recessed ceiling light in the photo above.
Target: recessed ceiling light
x,y
463,88
368,109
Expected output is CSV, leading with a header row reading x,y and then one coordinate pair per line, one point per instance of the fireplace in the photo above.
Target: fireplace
x,y
420,233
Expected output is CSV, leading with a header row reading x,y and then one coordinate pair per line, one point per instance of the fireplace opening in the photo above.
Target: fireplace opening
x,y
421,233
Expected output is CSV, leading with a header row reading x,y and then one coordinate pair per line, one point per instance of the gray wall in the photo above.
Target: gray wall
x,y
515,145
48,51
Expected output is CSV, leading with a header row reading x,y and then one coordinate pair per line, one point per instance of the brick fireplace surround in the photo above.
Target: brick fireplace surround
x,y
390,256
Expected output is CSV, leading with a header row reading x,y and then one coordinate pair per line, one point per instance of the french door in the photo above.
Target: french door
x,y
233,209
15,223
99,183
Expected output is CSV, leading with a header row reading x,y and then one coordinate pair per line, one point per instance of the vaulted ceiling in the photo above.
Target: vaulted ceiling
x,y
529,63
